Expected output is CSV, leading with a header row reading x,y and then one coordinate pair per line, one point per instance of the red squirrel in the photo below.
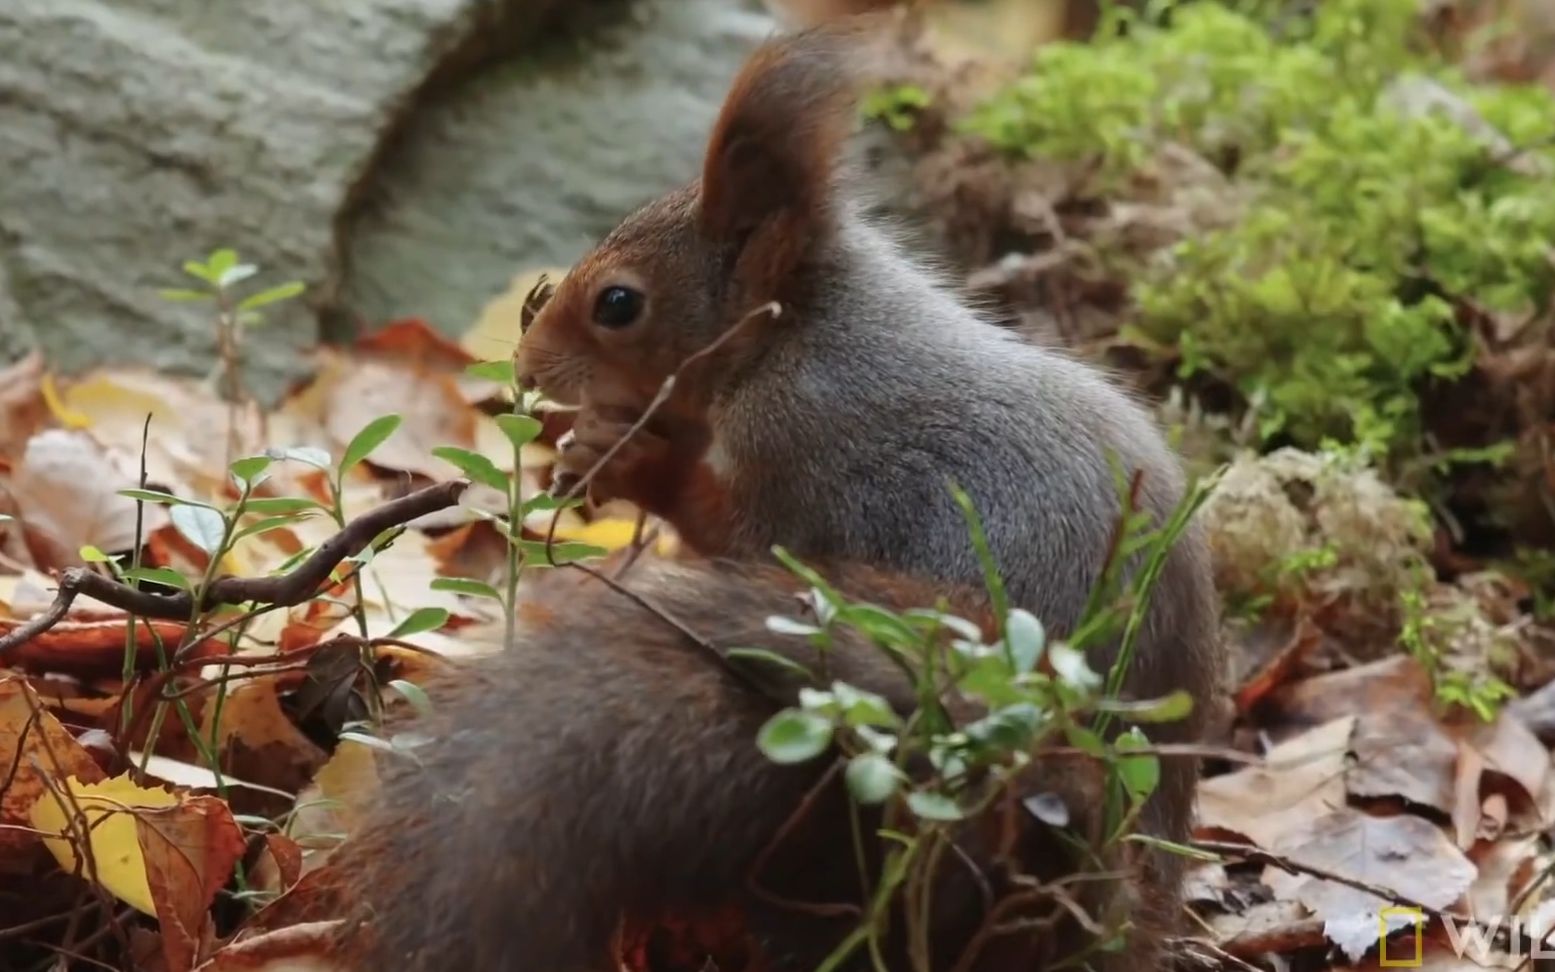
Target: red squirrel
x,y
834,426
606,765
601,775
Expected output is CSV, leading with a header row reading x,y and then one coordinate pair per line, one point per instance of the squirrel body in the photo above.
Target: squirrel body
x,y
606,764
835,426
606,767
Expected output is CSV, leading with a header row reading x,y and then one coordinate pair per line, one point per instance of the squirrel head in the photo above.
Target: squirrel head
x,y
675,275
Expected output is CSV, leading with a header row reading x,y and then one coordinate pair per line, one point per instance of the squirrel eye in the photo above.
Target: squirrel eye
x,y
618,306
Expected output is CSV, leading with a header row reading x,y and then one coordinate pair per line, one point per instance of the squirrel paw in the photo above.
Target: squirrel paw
x,y
632,454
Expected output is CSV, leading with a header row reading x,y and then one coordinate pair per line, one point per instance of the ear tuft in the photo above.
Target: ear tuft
x,y
775,146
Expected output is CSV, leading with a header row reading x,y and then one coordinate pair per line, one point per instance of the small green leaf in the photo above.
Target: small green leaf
x,y
307,455
248,469
500,371
371,437
158,575
1171,708
285,291
1086,741
543,502
778,624
220,261
464,585
236,274
878,623
157,496
934,806
793,736
1026,638
92,555
200,271
1009,729
566,552
764,657
414,694
1141,774
422,619
1070,666
181,296
520,429
474,465
861,708
201,526
871,778
282,505
265,525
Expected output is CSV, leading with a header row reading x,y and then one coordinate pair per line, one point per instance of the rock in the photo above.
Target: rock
x,y
528,162
398,156
137,133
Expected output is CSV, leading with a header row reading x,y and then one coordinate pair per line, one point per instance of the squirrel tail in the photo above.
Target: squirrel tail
x,y
602,767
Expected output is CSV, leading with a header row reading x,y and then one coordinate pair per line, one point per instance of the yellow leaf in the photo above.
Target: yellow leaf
x,y
65,415
495,334
612,533
108,808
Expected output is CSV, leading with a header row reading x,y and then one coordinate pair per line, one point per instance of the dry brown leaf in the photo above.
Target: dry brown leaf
x,y
189,851
1504,868
66,488
33,747
259,742
22,407
1404,853
308,947
1300,779
1267,927
1404,752
186,449
279,866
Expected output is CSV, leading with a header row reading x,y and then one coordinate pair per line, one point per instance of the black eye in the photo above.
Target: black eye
x,y
618,306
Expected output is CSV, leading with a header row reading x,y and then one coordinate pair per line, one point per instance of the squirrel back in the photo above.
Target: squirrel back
x,y
606,767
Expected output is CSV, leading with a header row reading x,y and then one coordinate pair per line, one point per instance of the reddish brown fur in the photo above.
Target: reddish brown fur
x,y
605,768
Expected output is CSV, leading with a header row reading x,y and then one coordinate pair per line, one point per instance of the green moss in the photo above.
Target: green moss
x,y
1361,234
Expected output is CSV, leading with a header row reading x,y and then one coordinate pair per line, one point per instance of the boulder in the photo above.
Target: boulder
x,y
398,156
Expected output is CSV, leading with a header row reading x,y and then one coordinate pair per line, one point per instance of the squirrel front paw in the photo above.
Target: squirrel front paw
x,y
619,460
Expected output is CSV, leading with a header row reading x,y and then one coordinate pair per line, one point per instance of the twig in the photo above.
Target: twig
x,y
1257,855
285,590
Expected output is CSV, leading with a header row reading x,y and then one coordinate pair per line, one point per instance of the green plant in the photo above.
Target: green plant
x,y
1029,692
1357,233
1430,634
221,273
897,105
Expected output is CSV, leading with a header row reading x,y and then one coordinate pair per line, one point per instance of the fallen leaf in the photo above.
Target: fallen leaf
x,y
189,850
307,947
108,810
33,747
1299,780
22,406
258,741
1403,853
1503,870
496,332
340,795
67,490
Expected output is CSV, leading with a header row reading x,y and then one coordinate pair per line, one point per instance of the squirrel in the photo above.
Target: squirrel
x,y
832,422
605,767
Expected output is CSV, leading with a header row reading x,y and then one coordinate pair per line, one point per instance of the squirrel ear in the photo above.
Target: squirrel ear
x,y
774,148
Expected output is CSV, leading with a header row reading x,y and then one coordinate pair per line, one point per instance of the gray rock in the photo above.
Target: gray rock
x,y
399,156
527,163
